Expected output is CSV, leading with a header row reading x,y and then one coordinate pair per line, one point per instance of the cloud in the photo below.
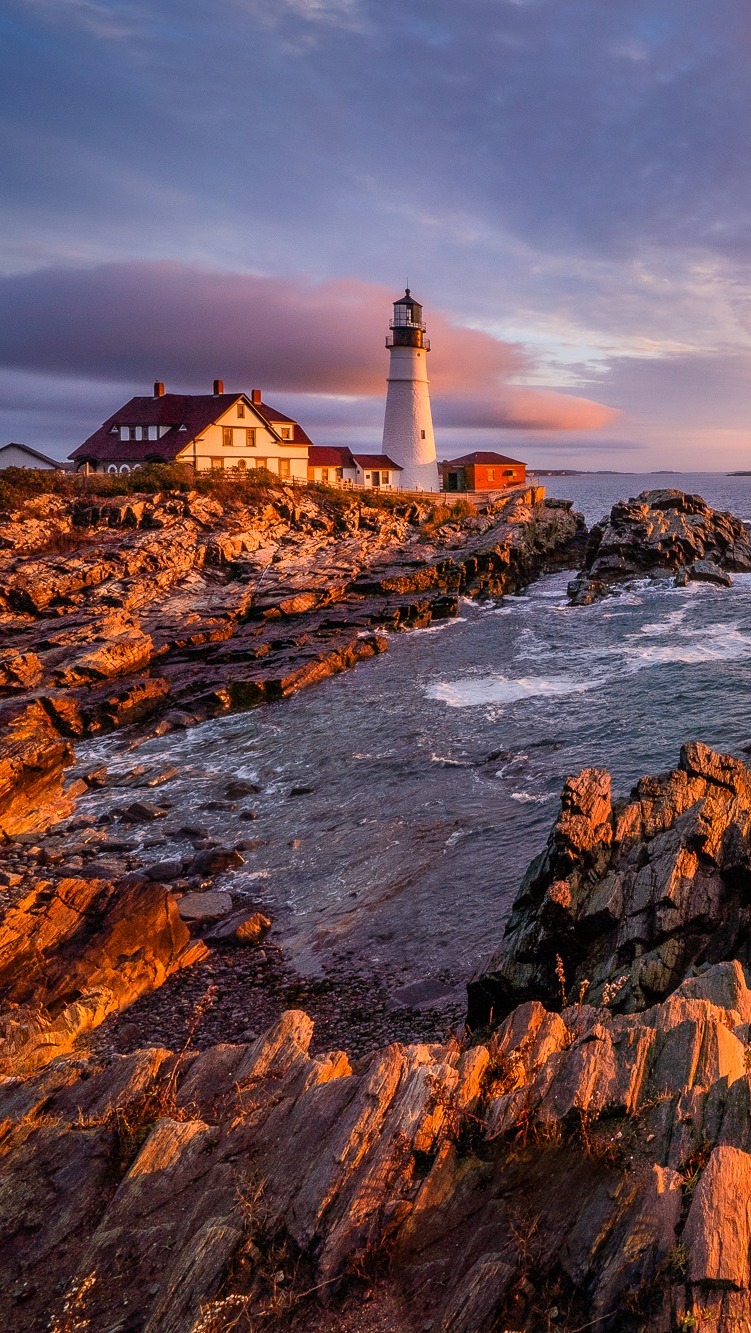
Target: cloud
x,y
141,321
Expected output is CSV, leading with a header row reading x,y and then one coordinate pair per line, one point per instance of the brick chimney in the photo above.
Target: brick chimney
x,y
255,396
218,386
158,389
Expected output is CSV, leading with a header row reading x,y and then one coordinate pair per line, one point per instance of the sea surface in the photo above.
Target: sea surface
x,y
435,769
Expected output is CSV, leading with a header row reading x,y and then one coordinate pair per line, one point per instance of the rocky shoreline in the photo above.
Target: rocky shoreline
x,y
169,609
578,1154
584,1159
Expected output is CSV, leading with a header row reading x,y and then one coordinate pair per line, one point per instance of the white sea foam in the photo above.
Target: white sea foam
x,y
526,798
711,643
474,691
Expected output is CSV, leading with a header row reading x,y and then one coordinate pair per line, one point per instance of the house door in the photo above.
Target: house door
x,y
452,481
376,478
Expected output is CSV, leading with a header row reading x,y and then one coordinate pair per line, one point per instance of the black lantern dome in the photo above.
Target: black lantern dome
x,y
407,327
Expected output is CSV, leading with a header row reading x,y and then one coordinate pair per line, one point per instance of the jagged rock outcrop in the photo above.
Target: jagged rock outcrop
x,y
178,607
76,950
631,896
661,532
578,1167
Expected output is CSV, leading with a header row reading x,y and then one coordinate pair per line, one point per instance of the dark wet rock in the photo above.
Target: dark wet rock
x,y
141,812
658,533
214,860
706,571
165,871
239,788
629,899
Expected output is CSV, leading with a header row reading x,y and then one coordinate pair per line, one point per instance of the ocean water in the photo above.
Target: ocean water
x,y
435,769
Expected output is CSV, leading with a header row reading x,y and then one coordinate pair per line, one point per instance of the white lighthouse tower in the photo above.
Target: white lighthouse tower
x,y
408,425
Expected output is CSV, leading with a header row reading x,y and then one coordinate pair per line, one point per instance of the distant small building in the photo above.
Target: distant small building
x,y
215,431
22,455
336,465
482,471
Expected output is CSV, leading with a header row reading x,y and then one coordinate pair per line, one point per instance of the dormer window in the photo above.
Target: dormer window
x,y
286,432
241,409
153,432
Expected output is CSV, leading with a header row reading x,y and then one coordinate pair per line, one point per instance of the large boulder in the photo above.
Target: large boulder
x,y
661,532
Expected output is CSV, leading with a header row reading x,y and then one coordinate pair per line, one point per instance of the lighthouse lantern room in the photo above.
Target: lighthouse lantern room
x,y
408,424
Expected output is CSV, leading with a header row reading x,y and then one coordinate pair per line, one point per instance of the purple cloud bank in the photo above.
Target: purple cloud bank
x,y
141,321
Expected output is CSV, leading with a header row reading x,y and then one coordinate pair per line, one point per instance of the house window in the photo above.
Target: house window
x,y
153,432
135,433
262,462
491,474
250,437
124,467
241,409
284,467
241,465
226,437
112,467
217,464
509,472
339,473
324,474
384,478
286,432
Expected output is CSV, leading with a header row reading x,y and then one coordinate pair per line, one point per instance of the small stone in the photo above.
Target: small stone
x,y
142,813
205,906
302,791
234,791
165,871
214,860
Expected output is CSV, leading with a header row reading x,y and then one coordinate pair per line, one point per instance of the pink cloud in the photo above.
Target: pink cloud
x,y
140,321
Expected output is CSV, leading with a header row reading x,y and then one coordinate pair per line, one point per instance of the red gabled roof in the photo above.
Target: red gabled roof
x,y
330,455
193,411
481,456
274,419
377,461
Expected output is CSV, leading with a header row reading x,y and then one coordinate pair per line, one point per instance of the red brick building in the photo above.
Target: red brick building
x,y
482,471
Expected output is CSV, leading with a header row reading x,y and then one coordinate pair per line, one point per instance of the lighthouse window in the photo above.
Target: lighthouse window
x,y
422,434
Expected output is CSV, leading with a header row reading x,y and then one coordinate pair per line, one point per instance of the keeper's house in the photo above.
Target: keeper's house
x,y
482,471
213,431
336,465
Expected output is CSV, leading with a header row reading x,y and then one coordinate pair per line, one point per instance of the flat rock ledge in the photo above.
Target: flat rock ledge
x,y
661,532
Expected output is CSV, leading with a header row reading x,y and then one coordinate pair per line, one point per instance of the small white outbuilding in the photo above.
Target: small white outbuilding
x,y
22,455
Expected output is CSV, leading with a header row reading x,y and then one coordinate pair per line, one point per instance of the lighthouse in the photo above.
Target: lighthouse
x,y
408,425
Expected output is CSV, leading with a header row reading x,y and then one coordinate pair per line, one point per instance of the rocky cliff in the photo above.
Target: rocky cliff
x,y
661,532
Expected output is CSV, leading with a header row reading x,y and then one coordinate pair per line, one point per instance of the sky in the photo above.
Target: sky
x,y
194,189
